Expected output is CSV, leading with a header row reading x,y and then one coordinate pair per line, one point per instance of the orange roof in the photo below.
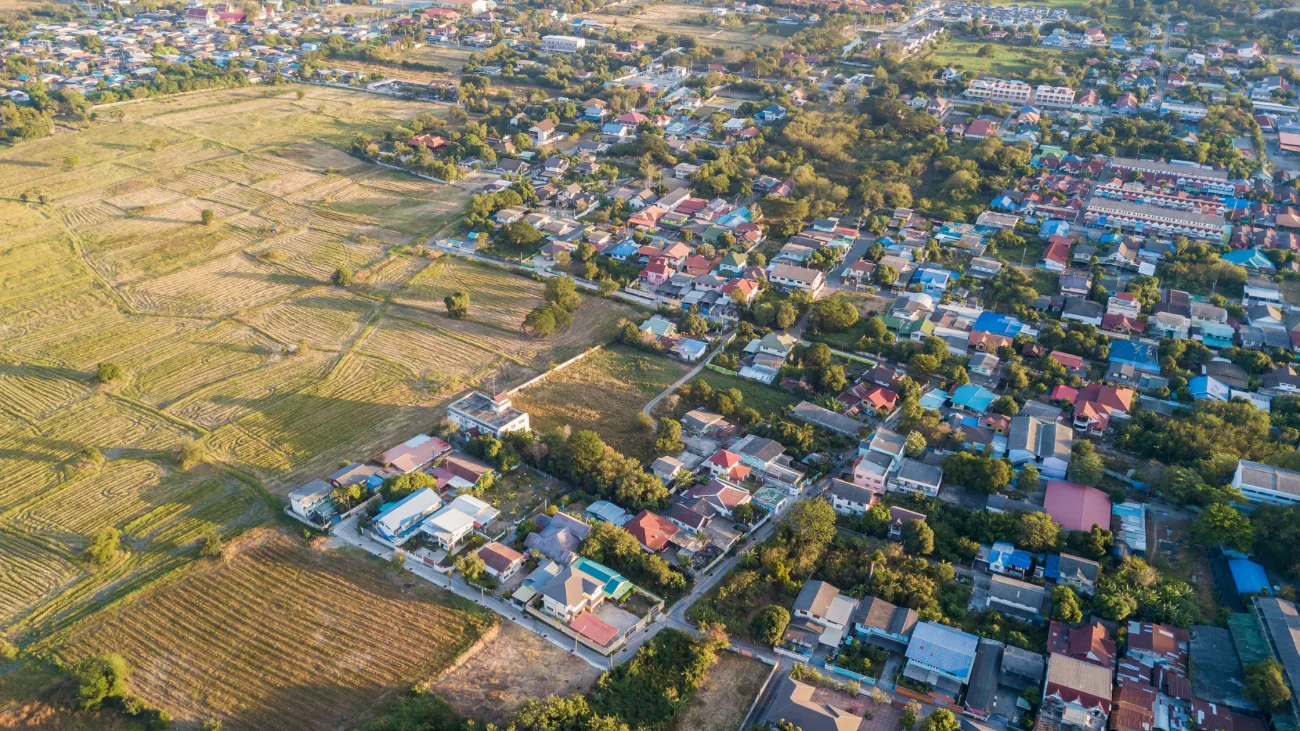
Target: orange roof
x,y
652,530
593,628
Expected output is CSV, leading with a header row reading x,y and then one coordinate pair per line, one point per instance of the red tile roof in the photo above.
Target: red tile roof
x,y
1077,507
593,628
652,530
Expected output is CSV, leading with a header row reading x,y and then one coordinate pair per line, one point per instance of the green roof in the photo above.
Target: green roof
x,y
734,260
616,587
1248,636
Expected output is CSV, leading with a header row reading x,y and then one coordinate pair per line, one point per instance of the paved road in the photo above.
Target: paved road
x,y
722,344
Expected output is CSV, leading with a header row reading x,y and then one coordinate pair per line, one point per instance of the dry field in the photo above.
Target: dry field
x,y
604,391
671,18
726,695
511,668
282,635
229,335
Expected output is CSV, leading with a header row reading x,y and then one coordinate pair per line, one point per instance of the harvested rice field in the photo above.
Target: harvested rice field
x,y
231,336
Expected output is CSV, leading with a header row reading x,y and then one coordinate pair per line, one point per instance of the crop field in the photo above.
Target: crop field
x,y
229,335
282,635
672,18
604,392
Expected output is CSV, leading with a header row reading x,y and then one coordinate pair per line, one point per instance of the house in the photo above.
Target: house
x,y
850,499
493,415
653,531
1096,404
1077,691
883,624
1082,310
312,501
449,526
659,327
722,498
1046,443
1018,598
984,364
899,517
788,276
558,536
608,512
972,398
1262,483
1078,573
398,521
571,592
1021,668
822,604
792,702
542,131
413,454
1142,356
1077,507
941,657
500,562
871,470
727,465
757,452
916,476
1090,643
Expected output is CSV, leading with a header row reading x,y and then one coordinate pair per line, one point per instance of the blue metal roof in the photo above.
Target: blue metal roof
x,y
942,647
1052,567
1248,576
999,324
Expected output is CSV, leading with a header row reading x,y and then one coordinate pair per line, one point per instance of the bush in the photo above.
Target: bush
x,y
109,372
8,650
343,277
211,545
100,678
769,624
191,454
104,546
207,216
457,304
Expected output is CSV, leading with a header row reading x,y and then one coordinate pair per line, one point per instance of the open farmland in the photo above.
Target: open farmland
x,y
672,18
228,335
282,635
604,392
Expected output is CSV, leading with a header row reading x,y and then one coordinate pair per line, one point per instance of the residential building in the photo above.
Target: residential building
x,y
1153,219
487,414
1047,444
571,592
1018,598
653,531
1262,483
822,603
398,521
941,657
792,702
883,624
500,562
1078,573
916,476
1076,694
1077,507
795,277
851,499
563,44
312,501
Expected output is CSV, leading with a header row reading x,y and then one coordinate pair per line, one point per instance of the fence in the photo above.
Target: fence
x,y
559,367
720,369
849,673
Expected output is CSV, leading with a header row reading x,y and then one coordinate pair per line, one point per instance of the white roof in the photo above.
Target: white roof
x,y
417,503
449,520
479,511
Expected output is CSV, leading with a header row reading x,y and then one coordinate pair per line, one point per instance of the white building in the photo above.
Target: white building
x,y
1053,96
397,523
917,476
1000,90
491,415
1152,219
1262,483
449,527
787,276
563,44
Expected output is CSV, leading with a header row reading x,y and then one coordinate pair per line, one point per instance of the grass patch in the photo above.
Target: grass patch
x,y
1013,61
722,701
604,392
758,396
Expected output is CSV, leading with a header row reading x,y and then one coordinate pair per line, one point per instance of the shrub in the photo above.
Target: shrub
x,y
109,372
104,546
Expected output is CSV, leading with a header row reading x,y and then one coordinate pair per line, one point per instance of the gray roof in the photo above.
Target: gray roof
x,y
879,614
1018,592
887,441
1282,623
943,647
1078,568
1023,663
816,597
315,489
792,701
559,538
984,676
1268,477
851,492
1080,307
917,471
824,417
570,587
762,448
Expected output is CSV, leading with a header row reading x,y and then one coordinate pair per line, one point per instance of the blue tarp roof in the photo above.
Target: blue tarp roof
x,y
973,397
1248,576
934,399
1052,567
1127,351
998,324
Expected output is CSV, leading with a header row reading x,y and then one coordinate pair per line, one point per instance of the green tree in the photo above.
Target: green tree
x,y
914,445
833,379
1266,686
835,313
100,678
104,546
470,566
786,314
343,277
457,304
207,216
1065,605
1037,532
191,454
109,372
918,538
8,650
818,355
1085,465
1223,524
211,546
941,719
769,624
561,292
540,321
399,486
668,440
1029,477
521,234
